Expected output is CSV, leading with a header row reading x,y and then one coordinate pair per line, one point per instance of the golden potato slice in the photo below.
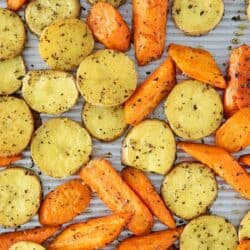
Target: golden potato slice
x,y
60,147
104,123
149,146
65,43
12,34
12,72
189,189
209,232
107,78
244,228
39,13
194,109
197,17
16,126
49,91
115,3
20,196
26,245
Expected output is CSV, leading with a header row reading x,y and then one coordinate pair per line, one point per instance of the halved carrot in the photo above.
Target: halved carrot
x,y
158,240
198,64
234,134
64,203
244,245
91,234
15,4
149,29
6,161
142,186
108,26
222,163
150,93
103,179
37,235
245,159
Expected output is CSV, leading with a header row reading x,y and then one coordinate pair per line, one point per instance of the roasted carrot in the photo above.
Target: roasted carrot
x,y
237,94
15,4
244,245
64,203
234,134
245,159
149,29
198,64
222,163
37,235
158,240
6,161
108,27
103,179
150,93
91,234
142,186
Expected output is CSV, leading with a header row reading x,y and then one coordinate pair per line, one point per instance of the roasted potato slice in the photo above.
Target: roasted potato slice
x,y
197,17
103,80
60,147
26,245
16,126
39,13
12,35
194,110
209,232
149,146
12,72
20,196
104,123
49,91
115,3
248,8
65,43
189,189
244,228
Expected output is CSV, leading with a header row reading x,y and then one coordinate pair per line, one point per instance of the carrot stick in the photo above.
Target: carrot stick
x,y
103,179
15,4
64,203
244,245
149,28
191,60
245,159
142,186
222,163
6,161
157,240
37,235
91,234
150,93
108,27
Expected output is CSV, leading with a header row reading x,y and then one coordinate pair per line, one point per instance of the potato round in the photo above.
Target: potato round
x,y
39,13
189,189
12,34
104,123
149,146
244,228
26,245
197,17
20,196
12,72
194,109
49,91
16,126
209,232
65,43
107,78
60,147
115,3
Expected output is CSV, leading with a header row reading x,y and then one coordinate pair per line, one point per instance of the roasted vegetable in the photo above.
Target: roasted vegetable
x,y
15,4
115,3
244,245
26,245
245,159
244,228
6,161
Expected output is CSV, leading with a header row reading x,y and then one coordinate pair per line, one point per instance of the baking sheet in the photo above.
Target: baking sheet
x,y
228,204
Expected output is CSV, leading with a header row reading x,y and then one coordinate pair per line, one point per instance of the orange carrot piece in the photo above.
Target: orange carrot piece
x,y
6,161
108,27
150,93
64,203
198,64
237,94
222,163
149,29
234,134
103,179
244,245
15,4
91,234
142,186
245,159
37,235
158,240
